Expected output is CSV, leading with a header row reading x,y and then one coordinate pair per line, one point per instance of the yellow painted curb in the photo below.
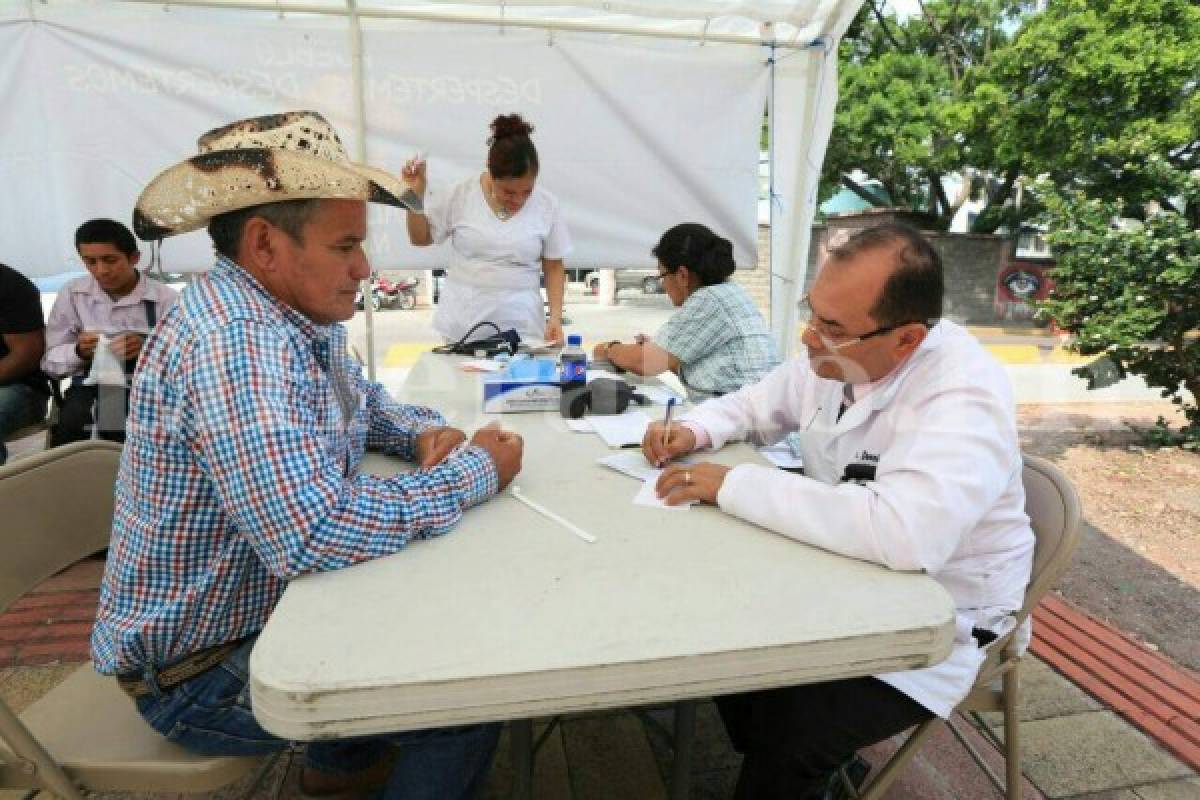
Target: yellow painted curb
x,y
405,354
1033,354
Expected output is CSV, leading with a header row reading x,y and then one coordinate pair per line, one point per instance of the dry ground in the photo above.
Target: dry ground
x,y
1138,566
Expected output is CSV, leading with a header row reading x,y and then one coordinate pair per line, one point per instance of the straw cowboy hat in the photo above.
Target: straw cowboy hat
x,y
292,156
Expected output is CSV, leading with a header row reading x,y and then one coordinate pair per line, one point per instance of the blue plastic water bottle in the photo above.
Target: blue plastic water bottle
x,y
574,363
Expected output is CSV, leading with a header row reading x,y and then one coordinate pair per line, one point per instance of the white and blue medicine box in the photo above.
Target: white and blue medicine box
x,y
527,384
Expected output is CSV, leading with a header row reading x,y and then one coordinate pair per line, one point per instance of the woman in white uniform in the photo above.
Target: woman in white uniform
x,y
505,233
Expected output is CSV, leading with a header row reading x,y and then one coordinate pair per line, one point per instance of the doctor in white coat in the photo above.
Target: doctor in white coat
x,y
908,436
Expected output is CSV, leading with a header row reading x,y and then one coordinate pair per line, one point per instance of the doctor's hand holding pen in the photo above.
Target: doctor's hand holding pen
x,y
666,440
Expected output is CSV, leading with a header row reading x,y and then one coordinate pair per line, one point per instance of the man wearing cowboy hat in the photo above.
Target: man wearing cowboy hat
x,y
247,422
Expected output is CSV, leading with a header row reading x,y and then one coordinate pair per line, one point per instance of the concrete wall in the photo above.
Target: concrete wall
x,y
973,262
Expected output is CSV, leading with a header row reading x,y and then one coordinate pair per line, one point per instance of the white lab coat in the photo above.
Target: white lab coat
x,y
946,496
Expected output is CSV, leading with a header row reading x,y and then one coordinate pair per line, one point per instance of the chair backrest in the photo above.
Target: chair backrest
x,y
57,508
1057,521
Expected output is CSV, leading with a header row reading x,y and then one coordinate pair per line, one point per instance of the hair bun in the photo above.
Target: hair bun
x,y
716,262
507,125
720,247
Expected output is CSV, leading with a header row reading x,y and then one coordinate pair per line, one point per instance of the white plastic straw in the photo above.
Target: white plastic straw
x,y
545,512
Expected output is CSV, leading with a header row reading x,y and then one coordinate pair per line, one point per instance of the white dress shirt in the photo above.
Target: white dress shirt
x,y
82,305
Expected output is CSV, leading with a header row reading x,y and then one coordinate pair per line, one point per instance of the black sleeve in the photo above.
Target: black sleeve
x,y
20,303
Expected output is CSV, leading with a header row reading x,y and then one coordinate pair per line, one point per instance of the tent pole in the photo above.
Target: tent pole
x,y
360,150
771,255
805,206
557,24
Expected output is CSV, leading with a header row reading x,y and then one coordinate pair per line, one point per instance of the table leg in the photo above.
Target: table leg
x,y
685,738
520,745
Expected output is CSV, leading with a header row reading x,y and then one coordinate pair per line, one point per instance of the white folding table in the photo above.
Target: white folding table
x,y
510,616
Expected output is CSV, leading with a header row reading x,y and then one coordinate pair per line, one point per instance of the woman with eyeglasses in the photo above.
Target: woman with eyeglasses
x,y
505,234
717,341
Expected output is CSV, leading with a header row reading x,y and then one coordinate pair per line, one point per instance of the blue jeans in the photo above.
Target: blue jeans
x,y
211,714
20,405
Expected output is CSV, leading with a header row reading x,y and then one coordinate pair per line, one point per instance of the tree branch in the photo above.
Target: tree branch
x,y
996,197
1186,157
1168,204
944,41
964,192
938,194
883,25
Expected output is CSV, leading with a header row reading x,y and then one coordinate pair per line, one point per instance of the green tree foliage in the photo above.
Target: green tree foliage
x,y
1000,91
1119,159
903,103
1087,85
1131,289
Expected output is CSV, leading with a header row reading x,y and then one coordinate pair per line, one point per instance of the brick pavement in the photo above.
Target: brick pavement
x,y
52,623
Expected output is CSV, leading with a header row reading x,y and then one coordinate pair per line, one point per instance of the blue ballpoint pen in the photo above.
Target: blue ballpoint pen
x,y
667,420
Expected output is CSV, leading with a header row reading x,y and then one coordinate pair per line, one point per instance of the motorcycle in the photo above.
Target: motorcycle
x,y
387,293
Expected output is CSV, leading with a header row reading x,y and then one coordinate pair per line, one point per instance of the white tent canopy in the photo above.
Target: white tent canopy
x,y
647,113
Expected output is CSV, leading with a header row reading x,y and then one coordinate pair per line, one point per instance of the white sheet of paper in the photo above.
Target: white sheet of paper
x,y
620,429
659,395
631,463
635,465
579,425
646,496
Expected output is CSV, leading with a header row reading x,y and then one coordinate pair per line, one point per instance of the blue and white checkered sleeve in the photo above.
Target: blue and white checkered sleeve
x,y
394,426
259,441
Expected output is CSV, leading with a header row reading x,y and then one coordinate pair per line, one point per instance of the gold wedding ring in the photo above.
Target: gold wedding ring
x,y
687,478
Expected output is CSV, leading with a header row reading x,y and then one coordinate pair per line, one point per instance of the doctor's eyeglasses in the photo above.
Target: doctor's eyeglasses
x,y
837,341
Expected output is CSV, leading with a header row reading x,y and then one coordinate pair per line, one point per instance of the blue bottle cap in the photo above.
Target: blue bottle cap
x,y
574,340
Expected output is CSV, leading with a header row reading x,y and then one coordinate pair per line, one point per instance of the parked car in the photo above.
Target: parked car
x,y
645,279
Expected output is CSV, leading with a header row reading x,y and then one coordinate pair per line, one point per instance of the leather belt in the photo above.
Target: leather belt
x,y
134,685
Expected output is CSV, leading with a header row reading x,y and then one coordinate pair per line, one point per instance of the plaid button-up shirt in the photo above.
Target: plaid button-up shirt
x,y
246,425
720,338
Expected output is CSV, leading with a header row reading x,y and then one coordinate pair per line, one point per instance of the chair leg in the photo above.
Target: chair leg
x,y
268,763
685,738
1012,738
880,784
975,756
28,750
